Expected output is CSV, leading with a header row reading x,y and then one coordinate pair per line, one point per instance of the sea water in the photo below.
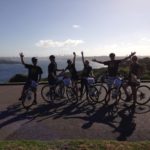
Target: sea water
x,y
7,71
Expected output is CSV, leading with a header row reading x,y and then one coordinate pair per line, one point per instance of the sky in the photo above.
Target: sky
x,y
60,27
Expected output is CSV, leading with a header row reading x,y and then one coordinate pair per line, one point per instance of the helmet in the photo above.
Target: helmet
x,y
34,59
69,61
134,58
112,55
51,57
86,62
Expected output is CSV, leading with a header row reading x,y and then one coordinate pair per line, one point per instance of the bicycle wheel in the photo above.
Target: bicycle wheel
x,y
71,95
28,98
113,96
142,94
46,93
60,90
102,92
93,93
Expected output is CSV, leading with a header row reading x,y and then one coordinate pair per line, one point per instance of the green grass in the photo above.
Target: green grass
x,y
74,145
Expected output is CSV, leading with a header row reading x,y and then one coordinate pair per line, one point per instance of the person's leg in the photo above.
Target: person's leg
x,y
81,89
25,87
109,82
86,87
35,96
133,87
76,86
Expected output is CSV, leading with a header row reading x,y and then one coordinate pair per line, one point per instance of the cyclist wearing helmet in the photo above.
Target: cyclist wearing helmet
x,y
87,72
135,72
34,73
52,71
113,66
72,69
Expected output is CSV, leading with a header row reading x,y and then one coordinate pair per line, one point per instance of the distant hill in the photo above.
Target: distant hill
x,y
16,60
8,61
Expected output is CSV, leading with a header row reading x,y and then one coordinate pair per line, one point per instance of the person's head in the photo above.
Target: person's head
x,y
69,62
112,56
134,59
86,63
34,61
52,58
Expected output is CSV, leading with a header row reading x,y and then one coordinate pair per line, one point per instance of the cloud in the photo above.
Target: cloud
x,y
58,44
75,26
145,39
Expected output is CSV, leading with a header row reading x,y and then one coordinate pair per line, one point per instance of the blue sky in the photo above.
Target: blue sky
x,y
97,27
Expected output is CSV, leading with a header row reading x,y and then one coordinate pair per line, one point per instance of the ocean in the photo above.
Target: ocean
x,y
9,70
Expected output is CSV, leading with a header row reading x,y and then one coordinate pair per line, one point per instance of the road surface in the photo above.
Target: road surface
x,y
65,120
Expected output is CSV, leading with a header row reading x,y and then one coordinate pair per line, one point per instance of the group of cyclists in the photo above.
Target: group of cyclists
x,y
35,72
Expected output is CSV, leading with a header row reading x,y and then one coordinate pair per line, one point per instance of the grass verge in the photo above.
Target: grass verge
x,y
74,145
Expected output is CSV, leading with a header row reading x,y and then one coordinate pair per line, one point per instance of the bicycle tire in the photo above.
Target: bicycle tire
x,y
71,95
93,93
113,96
142,94
123,96
60,90
102,91
28,98
45,93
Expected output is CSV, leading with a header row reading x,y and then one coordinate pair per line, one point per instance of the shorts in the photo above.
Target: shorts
x,y
52,81
74,78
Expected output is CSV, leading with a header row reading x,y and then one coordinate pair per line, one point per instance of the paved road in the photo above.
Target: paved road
x,y
70,121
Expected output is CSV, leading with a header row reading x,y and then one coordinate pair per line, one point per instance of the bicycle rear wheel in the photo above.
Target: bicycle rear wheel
x,y
113,96
142,94
28,98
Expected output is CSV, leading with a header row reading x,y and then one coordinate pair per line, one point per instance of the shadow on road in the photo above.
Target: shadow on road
x,y
120,119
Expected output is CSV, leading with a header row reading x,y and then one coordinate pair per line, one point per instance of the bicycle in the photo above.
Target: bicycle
x,y
29,95
142,94
93,92
50,93
123,91
102,90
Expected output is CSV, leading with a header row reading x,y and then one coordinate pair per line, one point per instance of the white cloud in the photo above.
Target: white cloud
x,y
58,44
76,26
141,46
145,39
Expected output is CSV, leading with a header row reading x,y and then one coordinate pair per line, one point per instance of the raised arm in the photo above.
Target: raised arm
x,y
94,60
22,58
82,57
74,58
126,58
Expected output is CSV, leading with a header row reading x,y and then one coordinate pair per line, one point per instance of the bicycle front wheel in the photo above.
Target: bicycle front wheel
x,y
123,94
46,94
113,96
72,95
93,94
28,98
102,92
60,90
142,94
